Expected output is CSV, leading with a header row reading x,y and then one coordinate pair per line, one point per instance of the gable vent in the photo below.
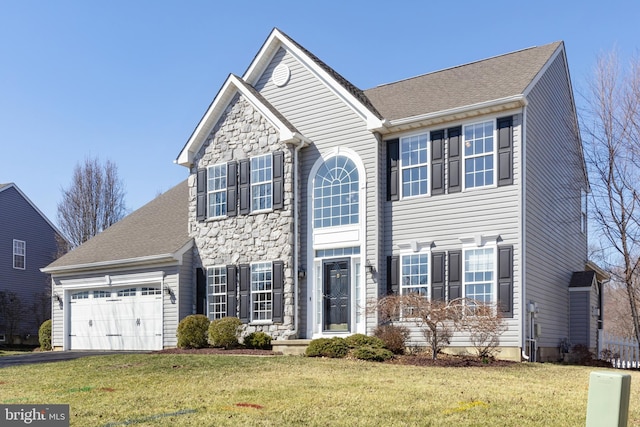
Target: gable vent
x,y
281,75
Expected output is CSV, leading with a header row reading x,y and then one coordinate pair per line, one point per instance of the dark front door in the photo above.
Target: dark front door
x,y
336,295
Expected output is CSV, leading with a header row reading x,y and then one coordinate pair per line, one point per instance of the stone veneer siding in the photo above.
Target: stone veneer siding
x,y
241,133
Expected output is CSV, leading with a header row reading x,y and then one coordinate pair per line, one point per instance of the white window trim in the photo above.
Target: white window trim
x,y
402,167
211,193
494,154
253,184
23,254
211,295
402,255
253,320
494,282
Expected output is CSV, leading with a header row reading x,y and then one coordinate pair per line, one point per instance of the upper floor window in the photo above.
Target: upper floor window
x,y
217,190
414,165
336,193
19,254
261,182
479,154
479,274
217,292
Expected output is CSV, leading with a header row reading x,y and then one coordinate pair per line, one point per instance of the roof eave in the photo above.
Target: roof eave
x,y
168,258
457,113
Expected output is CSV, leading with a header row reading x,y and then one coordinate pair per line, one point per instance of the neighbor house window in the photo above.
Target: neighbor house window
x,y
261,291
261,183
479,154
19,254
217,190
217,292
479,274
336,194
414,165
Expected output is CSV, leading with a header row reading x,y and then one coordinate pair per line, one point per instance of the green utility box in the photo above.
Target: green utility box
x,y
608,404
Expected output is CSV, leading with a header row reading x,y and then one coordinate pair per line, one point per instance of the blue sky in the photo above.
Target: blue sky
x,y
129,80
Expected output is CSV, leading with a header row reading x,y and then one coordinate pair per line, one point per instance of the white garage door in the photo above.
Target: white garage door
x,y
120,319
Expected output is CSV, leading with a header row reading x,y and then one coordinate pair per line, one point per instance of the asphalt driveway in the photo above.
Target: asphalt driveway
x,y
51,356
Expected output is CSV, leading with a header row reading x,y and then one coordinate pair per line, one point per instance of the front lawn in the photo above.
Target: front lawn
x,y
212,390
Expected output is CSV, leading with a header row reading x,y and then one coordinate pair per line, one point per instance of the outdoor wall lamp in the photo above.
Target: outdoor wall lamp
x,y
57,297
370,268
168,290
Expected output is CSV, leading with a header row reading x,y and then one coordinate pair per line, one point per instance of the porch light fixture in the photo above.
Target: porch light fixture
x,y
168,290
370,268
57,297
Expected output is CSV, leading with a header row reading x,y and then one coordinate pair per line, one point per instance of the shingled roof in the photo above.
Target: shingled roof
x,y
159,228
495,78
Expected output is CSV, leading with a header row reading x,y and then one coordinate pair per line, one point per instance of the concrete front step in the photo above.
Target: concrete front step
x,y
290,347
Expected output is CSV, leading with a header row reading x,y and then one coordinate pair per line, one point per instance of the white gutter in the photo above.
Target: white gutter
x,y
519,100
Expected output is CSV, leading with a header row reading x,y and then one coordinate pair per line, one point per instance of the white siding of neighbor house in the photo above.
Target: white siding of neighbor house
x,y
320,115
555,244
443,219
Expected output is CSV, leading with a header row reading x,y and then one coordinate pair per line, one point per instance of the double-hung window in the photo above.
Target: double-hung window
x,y
217,292
19,254
479,169
415,274
261,182
261,291
414,165
217,190
479,275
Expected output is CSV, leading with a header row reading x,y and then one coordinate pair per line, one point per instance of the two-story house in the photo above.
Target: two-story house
x,y
308,198
28,242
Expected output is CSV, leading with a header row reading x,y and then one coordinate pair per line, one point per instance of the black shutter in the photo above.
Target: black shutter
x,y
393,275
454,138
277,286
505,280
455,275
232,189
201,291
437,162
505,150
278,180
245,283
244,187
393,172
232,287
201,195
437,276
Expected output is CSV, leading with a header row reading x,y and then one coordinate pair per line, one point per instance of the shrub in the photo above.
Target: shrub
x,y
258,340
394,337
192,331
335,347
361,340
372,354
44,335
224,332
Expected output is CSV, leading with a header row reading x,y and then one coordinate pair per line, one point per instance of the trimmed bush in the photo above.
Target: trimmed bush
x,y
372,354
394,337
224,332
334,347
44,335
259,340
192,331
361,340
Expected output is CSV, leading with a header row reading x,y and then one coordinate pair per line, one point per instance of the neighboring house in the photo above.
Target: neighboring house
x,y
28,242
309,198
127,287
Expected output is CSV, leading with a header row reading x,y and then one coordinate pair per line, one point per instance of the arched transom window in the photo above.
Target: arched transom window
x,y
336,193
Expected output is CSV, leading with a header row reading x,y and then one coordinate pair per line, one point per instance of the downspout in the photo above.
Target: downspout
x,y
523,233
302,142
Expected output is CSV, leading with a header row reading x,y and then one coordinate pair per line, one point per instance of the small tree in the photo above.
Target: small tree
x,y
437,320
485,325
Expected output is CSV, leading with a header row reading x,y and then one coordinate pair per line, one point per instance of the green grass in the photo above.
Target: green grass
x,y
211,390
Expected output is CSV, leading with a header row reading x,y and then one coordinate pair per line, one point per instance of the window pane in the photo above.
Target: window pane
x,y
478,151
336,193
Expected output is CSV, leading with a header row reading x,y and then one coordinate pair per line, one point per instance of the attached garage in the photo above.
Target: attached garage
x,y
119,319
